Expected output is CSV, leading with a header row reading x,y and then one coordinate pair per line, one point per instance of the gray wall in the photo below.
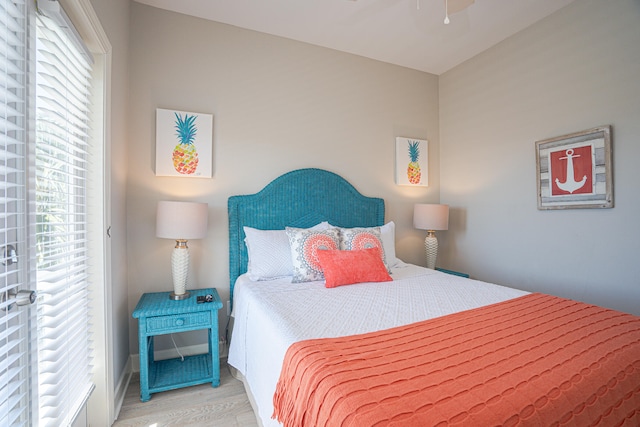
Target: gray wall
x,y
577,69
277,105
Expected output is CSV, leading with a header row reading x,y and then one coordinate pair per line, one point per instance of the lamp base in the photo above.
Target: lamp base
x,y
431,249
179,270
177,297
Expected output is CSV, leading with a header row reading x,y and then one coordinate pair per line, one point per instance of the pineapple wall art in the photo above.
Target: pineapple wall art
x,y
412,160
183,143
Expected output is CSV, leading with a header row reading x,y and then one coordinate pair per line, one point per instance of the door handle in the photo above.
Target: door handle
x,y
23,297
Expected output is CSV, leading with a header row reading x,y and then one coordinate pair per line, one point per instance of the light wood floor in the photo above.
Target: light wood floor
x,y
202,405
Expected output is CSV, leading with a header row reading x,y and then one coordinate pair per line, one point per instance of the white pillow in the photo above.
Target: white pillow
x,y
388,237
269,253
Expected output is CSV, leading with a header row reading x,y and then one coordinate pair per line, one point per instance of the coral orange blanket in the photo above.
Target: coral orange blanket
x,y
536,360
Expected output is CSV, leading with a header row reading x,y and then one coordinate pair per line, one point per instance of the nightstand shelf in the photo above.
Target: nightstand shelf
x,y
174,373
159,315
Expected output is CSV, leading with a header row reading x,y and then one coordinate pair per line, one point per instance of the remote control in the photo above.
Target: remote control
x,y
204,298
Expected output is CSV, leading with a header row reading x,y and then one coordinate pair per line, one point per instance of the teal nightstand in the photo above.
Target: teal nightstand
x,y
455,273
159,315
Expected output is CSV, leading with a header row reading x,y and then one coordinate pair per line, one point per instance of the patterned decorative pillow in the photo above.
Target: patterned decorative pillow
x,y
305,245
358,238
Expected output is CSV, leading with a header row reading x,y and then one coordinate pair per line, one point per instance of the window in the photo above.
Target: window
x,y
63,156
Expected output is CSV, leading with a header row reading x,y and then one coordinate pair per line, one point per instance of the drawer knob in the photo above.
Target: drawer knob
x,y
180,322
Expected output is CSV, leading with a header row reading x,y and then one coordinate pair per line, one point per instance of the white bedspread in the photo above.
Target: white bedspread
x,y
269,316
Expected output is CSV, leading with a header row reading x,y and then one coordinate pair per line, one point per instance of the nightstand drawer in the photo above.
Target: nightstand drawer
x,y
179,322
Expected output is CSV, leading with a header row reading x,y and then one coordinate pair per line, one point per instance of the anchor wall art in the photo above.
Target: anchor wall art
x,y
574,171
183,143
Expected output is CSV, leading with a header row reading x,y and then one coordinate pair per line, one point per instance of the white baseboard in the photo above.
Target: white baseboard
x,y
172,353
121,388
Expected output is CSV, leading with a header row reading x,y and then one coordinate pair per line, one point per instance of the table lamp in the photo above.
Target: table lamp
x,y
181,221
431,218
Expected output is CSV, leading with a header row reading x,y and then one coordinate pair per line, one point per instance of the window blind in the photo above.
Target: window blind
x,y
63,78
14,342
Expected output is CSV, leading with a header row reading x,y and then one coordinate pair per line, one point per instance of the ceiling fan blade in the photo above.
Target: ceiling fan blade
x,y
455,6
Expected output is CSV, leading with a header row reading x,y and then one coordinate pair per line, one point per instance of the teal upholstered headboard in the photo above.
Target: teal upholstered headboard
x,y
301,198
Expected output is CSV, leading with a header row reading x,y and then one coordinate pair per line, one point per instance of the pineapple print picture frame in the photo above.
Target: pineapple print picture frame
x,y
412,161
183,144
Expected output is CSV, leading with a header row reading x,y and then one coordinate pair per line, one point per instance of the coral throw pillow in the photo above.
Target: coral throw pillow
x,y
349,267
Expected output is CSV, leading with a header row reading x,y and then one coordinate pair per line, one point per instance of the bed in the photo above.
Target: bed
x,y
426,348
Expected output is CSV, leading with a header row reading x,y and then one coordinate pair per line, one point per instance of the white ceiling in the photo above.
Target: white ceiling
x,y
393,31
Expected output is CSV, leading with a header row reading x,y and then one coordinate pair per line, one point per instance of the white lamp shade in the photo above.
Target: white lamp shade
x,y
182,220
431,217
